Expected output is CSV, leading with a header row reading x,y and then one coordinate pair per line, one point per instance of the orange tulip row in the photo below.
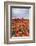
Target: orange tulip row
x,y
23,25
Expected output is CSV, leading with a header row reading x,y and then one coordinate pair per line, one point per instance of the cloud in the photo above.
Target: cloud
x,y
20,13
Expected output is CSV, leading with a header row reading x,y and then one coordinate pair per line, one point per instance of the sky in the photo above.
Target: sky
x,y
20,13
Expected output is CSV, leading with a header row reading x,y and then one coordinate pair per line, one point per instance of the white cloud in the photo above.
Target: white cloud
x,y
20,13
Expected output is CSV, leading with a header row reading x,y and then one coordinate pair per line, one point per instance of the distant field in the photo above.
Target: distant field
x,y
20,27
